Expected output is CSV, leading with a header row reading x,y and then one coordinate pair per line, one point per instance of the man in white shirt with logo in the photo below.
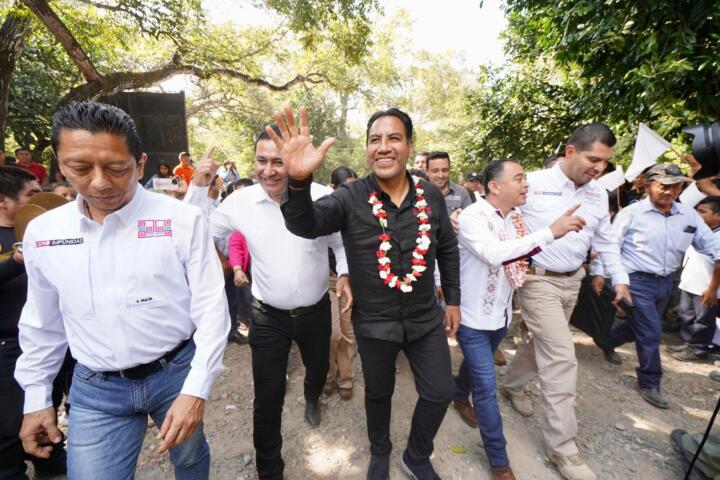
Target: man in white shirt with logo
x,y
494,248
290,289
550,291
128,279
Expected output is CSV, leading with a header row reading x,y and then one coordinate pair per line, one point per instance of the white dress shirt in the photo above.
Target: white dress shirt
x,y
121,293
550,195
487,293
287,271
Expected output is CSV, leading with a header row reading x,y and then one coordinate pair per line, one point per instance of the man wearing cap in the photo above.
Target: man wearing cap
x,y
130,281
474,185
655,233
550,291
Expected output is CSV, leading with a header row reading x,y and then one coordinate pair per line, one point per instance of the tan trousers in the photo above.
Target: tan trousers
x,y
547,303
342,341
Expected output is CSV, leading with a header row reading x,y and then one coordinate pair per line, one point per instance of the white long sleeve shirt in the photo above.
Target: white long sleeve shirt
x,y
288,271
698,269
550,195
486,303
121,293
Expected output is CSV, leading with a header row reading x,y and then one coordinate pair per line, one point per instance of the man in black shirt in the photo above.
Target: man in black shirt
x,y
393,230
17,186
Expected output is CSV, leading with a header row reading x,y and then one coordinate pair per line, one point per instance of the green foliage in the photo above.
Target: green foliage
x,y
652,61
522,113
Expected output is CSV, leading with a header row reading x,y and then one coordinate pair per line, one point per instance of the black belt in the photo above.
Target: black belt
x,y
142,371
295,312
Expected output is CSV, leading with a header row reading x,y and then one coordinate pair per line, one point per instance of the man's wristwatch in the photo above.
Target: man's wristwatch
x,y
299,184
343,275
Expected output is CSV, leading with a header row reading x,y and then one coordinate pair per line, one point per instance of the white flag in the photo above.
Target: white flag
x,y
648,147
613,180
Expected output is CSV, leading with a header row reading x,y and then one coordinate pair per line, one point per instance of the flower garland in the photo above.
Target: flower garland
x,y
515,271
422,212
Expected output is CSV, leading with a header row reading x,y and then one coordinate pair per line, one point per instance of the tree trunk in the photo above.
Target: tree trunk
x,y
55,25
13,33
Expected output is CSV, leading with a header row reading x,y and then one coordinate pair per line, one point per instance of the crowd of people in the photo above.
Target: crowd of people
x,y
123,298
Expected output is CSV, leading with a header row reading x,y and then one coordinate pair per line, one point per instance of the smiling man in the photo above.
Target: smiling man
x,y
494,249
290,289
130,281
550,291
393,229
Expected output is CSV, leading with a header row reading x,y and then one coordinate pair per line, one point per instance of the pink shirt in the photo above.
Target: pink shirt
x,y
238,252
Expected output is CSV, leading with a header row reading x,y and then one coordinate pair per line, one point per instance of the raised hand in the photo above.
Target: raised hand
x,y
206,169
567,222
299,156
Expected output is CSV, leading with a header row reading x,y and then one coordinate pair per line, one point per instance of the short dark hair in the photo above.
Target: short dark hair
x,y
341,175
13,180
21,149
263,135
424,153
435,155
416,172
96,117
712,201
392,112
52,186
552,158
583,138
163,164
493,170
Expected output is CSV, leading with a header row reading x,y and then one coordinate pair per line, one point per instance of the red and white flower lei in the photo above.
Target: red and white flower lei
x,y
422,212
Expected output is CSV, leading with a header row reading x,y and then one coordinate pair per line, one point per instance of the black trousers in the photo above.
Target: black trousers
x,y
697,323
271,335
429,358
12,455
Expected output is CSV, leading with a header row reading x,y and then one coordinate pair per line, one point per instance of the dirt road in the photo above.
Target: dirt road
x,y
620,435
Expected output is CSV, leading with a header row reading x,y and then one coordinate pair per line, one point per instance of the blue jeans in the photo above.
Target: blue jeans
x,y
477,375
109,419
650,296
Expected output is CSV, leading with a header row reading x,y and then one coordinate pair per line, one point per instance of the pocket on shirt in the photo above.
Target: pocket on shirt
x,y
145,301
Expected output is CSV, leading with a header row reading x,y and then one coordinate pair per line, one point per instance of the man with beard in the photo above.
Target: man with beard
x,y
550,291
394,229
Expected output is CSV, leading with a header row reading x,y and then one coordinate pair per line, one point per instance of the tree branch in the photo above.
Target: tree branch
x,y
118,81
62,34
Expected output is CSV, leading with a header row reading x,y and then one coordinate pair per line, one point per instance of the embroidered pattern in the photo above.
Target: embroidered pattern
x,y
154,228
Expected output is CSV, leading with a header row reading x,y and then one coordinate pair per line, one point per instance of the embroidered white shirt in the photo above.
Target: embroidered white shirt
x,y
486,303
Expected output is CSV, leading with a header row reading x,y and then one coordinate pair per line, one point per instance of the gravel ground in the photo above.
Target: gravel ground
x,y
620,435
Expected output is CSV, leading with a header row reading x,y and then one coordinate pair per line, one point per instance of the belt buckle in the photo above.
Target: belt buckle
x,y
293,313
121,373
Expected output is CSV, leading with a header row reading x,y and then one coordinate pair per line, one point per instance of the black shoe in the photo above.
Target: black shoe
x,y
238,339
418,472
688,355
612,357
312,413
379,468
676,348
654,397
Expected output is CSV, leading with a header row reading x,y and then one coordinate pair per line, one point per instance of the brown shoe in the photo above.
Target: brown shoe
x,y
345,393
328,389
499,358
502,473
467,413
